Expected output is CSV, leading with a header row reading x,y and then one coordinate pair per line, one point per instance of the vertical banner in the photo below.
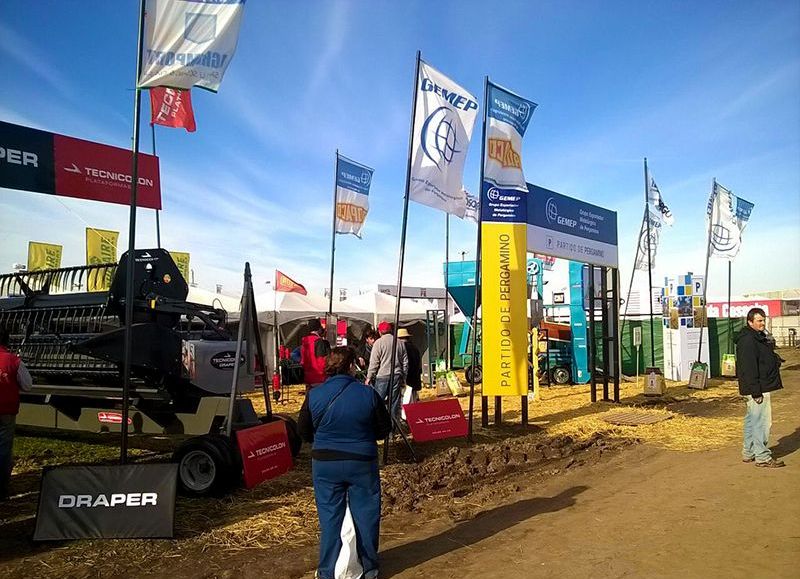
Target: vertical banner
x,y
352,195
181,259
729,215
43,255
509,116
101,247
445,116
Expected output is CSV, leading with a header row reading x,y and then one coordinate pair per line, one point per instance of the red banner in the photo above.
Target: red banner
x,y
172,108
265,452
436,419
88,170
739,309
283,283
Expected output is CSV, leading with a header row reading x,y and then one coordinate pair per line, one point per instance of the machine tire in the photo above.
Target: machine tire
x,y
206,466
560,375
295,442
478,374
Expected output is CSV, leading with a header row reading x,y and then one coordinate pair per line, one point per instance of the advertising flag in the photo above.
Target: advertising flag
x,y
654,198
283,283
655,233
729,215
509,116
445,116
352,195
181,259
472,210
172,108
189,43
101,247
43,255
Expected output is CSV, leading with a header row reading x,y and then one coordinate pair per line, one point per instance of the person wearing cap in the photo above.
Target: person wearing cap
x,y
379,373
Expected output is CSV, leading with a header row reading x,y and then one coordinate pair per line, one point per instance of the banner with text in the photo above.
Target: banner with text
x,y
181,259
352,195
436,419
43,255
101,247
509,116
265,452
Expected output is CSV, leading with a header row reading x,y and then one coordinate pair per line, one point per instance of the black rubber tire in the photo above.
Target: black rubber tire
x,y
293,433
560,375
478,374
205,466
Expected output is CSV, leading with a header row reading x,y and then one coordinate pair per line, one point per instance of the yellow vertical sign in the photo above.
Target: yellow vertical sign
x,y
101,247
181,259
43,256
504,315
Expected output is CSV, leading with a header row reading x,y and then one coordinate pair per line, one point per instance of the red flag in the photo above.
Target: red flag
x,y
283,283
172,108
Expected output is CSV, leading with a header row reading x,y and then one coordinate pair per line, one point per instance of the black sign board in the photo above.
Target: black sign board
x,y
112,502
26,159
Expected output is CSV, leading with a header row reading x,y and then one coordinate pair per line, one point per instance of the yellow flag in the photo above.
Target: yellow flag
x,y
181,259
101,247
43,255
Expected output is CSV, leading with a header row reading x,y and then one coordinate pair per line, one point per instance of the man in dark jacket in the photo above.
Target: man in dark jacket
x,y
757,366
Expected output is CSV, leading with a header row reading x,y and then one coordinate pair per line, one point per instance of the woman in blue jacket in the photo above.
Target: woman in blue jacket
x,y
344,418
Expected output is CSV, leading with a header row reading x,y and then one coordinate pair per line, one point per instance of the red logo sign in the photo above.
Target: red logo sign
x,y
436,419
111,418
172,108
265,452
739,309
88,170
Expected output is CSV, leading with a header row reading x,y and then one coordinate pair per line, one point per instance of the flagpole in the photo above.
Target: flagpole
x,y
478,267
126,359
447,289
333,232
705,277
730,332
158,224
277,339
404,225
649,266
630,284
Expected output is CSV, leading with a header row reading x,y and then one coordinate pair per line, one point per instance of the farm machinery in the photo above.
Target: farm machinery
x,y
182,364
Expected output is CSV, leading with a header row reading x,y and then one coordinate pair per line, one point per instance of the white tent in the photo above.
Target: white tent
x,y
382,307
208,298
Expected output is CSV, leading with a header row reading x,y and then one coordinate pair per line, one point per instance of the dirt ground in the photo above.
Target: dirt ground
x,y
567,496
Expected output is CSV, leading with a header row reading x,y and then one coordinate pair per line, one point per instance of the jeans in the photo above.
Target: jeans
x,y
7,422
337,482
382,386
757,422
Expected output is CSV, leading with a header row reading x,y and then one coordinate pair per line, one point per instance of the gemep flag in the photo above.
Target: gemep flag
x,y
655,199
101,247
352,195
642,263
189,42
508,116
728,216
172,107
443,122
43,256
283,283
472,210
181,259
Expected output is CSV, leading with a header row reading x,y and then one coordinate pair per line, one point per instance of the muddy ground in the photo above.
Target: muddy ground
x,y
520,498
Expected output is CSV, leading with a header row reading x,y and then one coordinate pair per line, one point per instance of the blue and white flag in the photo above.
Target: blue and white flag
x,y
445,116
729,215
472,212
648,244
189,42
655,199
352,195
509,116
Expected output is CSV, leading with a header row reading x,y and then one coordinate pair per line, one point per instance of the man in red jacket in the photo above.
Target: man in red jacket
x,y
310,355
13,378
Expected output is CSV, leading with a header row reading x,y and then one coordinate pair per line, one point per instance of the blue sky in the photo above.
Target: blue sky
x,y
702,89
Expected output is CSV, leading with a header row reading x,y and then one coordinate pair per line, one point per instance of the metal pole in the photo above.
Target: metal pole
x,y
447,290
633,274
243,321
591,336
616,333
649,265
158,220
605,329
126,359
333,231
730,330
484,404
403,228
705,278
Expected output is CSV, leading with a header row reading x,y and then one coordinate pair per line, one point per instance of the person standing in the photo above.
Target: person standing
x,y
313,349
758,371
14,376
380,368
344,418
414,378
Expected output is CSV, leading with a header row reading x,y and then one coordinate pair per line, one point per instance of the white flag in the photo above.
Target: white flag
x,y
445,115
352,195
473,207
729,215
189,42
642,263
655,199
509,116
